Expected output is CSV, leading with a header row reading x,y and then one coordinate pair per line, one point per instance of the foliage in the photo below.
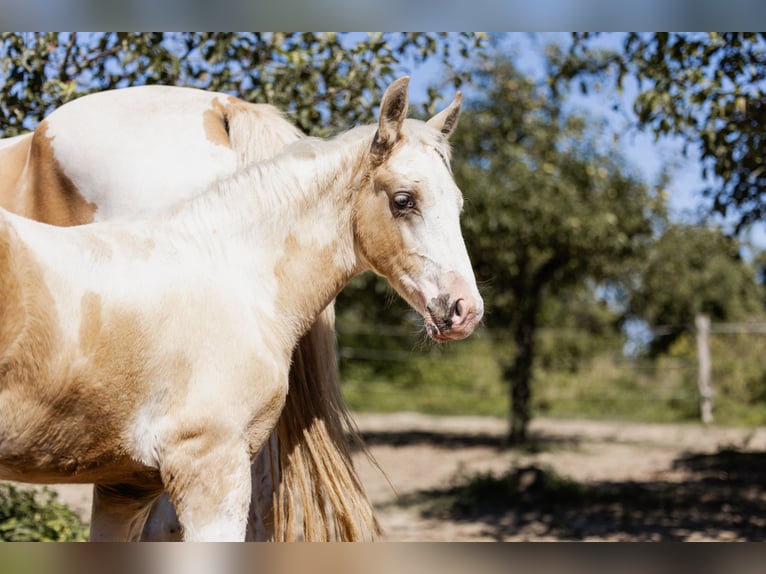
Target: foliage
x,y
32,516
576,325
708,88
693,270
322,79
546,212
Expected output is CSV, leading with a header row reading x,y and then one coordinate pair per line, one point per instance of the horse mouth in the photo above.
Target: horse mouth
x,y
435,333
440,330
449,321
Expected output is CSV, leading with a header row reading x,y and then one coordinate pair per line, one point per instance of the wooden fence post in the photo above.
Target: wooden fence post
x,y
702,324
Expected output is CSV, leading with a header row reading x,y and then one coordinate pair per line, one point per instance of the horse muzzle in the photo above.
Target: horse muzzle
x,y
452,318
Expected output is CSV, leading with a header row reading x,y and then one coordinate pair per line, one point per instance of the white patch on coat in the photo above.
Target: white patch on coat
x,y
113,124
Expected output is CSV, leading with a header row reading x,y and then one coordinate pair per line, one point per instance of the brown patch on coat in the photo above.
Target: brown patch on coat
x,y
13,160
135,246
63,410
70,425
90,323
265,419
49,195
375,229
100,249
28,322
12,308
215,124
70,422
305,264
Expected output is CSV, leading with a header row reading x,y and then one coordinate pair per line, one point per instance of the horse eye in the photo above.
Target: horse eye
x,y
404,201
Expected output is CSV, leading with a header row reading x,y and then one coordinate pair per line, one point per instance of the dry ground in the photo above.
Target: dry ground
x,y
610,481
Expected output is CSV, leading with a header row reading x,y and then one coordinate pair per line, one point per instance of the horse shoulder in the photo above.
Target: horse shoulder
x,y
12,308
26,304
14,154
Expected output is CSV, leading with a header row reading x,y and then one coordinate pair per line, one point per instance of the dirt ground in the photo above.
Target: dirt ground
x,y
578,480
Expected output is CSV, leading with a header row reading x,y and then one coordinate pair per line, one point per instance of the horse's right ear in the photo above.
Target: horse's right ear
x,y
446,120
393,110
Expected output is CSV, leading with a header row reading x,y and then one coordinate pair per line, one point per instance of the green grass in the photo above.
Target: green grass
x,y
453,379
466,378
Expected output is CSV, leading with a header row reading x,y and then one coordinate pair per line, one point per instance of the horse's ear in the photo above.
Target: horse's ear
x,y
446,120
393,110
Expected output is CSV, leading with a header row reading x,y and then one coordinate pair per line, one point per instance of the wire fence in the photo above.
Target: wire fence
x,y
736,371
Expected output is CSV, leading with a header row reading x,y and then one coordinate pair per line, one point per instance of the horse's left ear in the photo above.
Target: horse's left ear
x,y
393,110
446,120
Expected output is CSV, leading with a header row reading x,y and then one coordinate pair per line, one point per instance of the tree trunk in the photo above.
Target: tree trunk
x,y
520,375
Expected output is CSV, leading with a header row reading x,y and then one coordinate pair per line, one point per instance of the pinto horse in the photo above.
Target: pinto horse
x,y
124,154
153,355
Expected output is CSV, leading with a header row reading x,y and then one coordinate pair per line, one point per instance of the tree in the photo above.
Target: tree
x,y
545,211
322,79
693,270
707,88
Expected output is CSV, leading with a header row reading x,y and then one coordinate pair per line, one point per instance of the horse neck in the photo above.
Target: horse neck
x,y
293,215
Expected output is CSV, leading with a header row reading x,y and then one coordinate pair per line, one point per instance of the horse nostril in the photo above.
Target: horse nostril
x,y
458,308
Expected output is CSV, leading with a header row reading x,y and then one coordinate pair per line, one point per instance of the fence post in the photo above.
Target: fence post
x,y
702,324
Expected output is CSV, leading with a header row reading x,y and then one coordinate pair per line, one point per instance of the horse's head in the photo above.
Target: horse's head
x,y
407,217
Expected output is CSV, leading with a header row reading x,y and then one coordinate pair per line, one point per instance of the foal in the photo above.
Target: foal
x,y
154,355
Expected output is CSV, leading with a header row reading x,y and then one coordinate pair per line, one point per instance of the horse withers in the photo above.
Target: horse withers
x,y
153,355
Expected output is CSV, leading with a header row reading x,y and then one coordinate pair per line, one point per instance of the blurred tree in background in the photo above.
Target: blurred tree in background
x,y
708,88
546,212
694,270
327,81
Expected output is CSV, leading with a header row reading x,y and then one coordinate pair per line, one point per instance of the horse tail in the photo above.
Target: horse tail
x,y
316,493
320,494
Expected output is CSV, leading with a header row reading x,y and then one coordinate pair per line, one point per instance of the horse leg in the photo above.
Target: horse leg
x,y
162,524
264,474
209,487
120,510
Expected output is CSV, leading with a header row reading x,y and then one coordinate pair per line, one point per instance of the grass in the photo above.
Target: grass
x,y
466,378
446,380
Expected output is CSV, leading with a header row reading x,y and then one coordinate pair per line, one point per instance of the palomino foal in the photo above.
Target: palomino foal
x,y
154,355
124,154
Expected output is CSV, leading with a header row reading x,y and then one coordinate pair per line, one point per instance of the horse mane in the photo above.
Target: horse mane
x,y
255,130
281,180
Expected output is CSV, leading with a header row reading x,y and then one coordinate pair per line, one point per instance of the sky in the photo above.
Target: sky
x,y
383,15
642,152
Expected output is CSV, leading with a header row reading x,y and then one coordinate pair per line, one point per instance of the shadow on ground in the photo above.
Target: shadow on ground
x,y
449,440
721,498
